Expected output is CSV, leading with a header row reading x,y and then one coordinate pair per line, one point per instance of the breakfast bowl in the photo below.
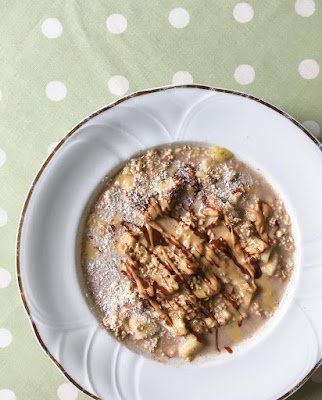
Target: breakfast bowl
x,y
272,363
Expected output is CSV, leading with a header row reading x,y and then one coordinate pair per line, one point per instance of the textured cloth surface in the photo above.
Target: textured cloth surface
x,y
62,59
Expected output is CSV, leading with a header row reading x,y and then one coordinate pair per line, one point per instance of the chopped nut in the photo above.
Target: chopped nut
x,y
255,245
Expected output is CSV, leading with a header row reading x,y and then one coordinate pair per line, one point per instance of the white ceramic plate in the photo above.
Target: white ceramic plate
x,y
269,366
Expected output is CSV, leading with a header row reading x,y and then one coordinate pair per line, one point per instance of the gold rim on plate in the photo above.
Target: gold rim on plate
x,y
74,130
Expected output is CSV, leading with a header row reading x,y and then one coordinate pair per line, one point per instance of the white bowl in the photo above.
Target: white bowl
x,y
272,364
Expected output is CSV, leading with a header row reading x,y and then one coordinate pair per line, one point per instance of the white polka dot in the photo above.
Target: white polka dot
x,y
182,77
317,376
56,91
179,17
243,12
52,28
51,147
3,217
67,391
3,157
313,127
244,74
116,23
309,69
6,394
5,338
5,278
118,85
305,8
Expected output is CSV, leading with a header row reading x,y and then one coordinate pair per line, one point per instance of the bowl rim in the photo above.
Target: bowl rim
x,y
74,130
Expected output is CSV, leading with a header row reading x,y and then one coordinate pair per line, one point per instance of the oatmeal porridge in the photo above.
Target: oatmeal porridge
x,y
186,251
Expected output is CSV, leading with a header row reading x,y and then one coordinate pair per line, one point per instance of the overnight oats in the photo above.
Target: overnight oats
x,y
186,252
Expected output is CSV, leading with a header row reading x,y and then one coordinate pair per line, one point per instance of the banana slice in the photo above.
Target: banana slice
x,y
178,326
269,268
189,347
221,154
142,330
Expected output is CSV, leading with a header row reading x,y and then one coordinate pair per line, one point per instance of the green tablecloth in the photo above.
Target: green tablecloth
x,y
62,59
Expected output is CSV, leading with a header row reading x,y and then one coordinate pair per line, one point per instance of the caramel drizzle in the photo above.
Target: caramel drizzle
x,y
209,257
237,252
221,246
261,213
143,286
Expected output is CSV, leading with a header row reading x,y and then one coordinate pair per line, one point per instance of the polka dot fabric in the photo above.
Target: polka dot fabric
x,y
51,28
56,91
116,23
244,74
67,391
179,18
60,63
182,77
118,85
243,12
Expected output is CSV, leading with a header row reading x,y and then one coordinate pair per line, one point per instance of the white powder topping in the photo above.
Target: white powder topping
x,y
228,180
